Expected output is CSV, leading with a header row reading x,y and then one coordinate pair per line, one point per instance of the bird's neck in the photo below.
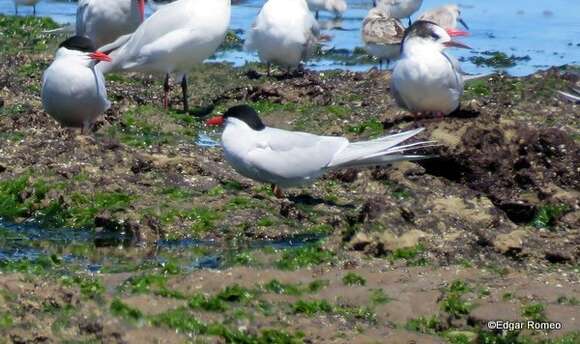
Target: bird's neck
x,y
414,48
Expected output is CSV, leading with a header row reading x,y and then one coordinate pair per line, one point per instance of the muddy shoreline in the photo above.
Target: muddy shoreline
x,y
426,252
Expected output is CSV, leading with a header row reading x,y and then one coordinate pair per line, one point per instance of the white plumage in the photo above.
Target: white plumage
x,y
284,33
103,21
73,91
400,8
338,7
426,79
172,40
287,159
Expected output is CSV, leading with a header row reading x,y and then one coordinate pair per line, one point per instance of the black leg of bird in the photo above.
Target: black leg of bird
x,y
166,92
184,94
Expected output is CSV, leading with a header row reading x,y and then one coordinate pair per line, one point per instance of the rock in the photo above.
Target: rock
x,y
141,166
519,212
410,239
372,209
572,219
510,243
2,168
1,103
360,241
559,256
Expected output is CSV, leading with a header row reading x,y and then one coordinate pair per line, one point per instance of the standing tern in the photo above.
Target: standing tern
x,y
172,40
445,16
287,158
285,33
426,79
338,7
73,90
400,8
382,35
103,21
25,3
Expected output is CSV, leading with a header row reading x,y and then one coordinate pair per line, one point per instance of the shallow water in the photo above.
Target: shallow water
x,y
546,31
115,252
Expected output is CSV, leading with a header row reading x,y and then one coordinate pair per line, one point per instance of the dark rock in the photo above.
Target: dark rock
x,y
558,256
91,327
518,212
2,168
372,209
1,103
141,166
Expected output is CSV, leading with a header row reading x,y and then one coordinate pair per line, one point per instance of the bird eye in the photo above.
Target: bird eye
x,y
435,36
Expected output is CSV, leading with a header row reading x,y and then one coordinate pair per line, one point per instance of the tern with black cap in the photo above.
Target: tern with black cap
x,y
103,21
285,158
426,79
73,90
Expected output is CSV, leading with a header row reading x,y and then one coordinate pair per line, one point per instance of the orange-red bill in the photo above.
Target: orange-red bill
x,y
100,56
455,44
217,120
457,32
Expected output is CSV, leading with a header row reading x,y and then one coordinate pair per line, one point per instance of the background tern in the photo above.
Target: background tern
x,y
338,7
172,40
103,21
73,91
286,158
25,3
426,79
382,35
285,33
400,8
445,16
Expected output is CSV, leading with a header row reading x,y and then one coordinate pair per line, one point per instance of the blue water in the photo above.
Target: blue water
x,y
105,251
546,31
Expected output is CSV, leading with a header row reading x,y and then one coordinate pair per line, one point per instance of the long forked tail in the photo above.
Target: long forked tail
x,y
382,151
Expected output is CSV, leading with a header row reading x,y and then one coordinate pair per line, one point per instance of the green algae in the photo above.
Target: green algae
x,y
379,297
18,34
497,59
120,309
534,311
427,325
293,259
353,279
547,215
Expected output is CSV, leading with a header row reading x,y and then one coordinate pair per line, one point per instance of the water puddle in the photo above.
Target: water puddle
x,y
28,244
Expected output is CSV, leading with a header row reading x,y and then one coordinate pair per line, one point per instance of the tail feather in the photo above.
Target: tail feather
x,y
381,151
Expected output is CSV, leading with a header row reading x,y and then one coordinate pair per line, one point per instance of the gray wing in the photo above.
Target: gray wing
x,y
382,31
81,17
456,80
398,99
